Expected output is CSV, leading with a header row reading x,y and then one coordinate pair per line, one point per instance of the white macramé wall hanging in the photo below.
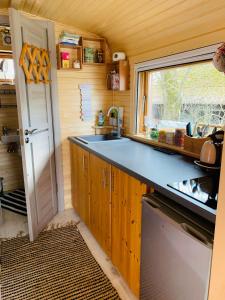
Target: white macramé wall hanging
x,y
86,111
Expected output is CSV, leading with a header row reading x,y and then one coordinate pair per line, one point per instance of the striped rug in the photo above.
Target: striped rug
x,y
14,201
57,266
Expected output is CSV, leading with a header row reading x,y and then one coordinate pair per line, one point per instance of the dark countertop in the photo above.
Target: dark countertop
x,y
152,167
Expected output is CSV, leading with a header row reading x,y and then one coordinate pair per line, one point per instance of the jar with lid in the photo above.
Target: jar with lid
x,y
179,137
76,64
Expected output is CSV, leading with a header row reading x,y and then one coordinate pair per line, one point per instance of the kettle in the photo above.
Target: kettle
x,y
211,151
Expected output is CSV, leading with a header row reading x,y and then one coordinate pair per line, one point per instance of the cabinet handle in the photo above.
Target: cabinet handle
x,y
83,162
112,181
103,178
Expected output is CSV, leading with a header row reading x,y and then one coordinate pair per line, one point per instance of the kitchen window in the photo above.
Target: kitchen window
x,y
170,95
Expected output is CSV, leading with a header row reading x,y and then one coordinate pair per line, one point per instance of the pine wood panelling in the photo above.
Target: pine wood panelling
x,y
10,163
10,169
100,202
136,28
69,98
122,99
126,226
80,182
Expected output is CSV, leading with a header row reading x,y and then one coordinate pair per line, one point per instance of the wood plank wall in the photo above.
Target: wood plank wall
x,y
69,98
10,163
123,99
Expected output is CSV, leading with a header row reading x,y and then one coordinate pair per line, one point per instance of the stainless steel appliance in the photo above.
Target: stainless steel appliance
x,y
211,152
176,252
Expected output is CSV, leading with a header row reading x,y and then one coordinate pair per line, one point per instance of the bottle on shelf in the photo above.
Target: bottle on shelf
x,y
101,118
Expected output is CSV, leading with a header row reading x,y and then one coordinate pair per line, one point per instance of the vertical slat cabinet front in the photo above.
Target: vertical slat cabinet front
x,y
100,202
74,175
84,186
126,226
80,182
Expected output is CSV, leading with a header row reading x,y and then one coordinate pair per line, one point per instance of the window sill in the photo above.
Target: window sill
x,y
143,139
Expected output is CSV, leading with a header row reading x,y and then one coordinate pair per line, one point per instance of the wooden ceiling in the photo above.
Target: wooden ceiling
x,y
134,26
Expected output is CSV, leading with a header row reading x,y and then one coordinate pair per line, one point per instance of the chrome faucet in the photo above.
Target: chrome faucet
x,y
118,119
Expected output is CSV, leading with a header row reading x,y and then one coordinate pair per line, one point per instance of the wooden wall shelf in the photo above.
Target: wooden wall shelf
x,y
122,68
181,150
78,52
96,44
75,52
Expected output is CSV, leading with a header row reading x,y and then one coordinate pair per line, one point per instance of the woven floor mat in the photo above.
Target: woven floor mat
x,y
58,265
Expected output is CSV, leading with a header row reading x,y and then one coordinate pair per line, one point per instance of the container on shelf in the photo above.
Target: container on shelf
x,y
154,134
115,80
193,144
162,136
179,137
65,56
170,136
99,56
76,64
89,55
101,118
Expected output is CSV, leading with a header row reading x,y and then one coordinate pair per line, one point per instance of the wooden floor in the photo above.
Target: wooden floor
x,y
15,224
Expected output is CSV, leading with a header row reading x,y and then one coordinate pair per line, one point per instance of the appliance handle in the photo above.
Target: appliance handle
x,y
151,202
196,234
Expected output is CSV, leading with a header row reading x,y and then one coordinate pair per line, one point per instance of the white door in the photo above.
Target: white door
x,y
36,124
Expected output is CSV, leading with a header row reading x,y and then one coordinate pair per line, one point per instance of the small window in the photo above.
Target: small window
x,y
171,97
7,73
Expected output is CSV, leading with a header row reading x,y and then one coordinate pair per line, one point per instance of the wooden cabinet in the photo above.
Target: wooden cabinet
x,y
100,202
109,202
121,68
80,182
126,226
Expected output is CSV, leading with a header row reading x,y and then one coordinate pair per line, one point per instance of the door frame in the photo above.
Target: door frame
x,y
55,109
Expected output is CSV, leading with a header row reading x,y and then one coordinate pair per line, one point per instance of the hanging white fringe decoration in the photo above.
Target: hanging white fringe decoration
x,y
219,58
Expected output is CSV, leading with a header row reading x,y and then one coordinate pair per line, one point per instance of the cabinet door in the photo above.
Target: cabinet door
x,y
100,202
80,182
126,226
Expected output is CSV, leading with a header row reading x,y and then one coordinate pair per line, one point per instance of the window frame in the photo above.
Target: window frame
x,y
187,57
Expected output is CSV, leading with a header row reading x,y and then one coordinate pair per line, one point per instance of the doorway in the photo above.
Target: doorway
x,y
39,134
12,194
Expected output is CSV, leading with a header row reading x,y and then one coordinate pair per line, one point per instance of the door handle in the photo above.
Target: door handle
x,y
151,202
193,232
29,132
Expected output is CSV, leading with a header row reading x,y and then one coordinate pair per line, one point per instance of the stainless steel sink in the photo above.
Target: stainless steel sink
x,y
98,138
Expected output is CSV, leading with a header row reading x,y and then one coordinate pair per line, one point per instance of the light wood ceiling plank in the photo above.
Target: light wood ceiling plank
x,y
28,5
4,3
60,10
133,26
111,16
132,13
158,14
168,19
36,6
177,34
15,4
